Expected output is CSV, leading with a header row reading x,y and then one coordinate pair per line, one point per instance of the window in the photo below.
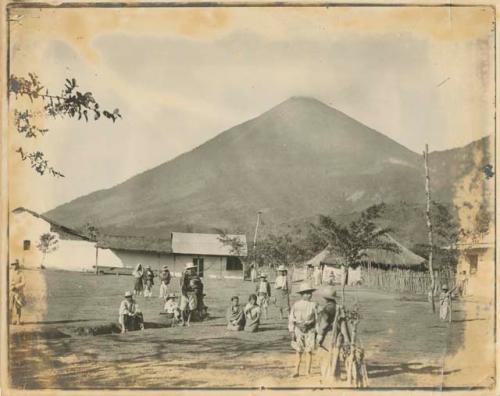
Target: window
x,y
198,261
473,264
26,244
234,264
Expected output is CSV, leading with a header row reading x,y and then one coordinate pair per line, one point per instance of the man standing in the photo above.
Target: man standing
x,y
17,299
130,316
302,327
164,282
191,288
148,278
282,291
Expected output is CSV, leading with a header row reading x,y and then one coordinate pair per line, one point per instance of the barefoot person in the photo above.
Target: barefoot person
x,y
130,316
445,303
138,274
17,299
282,291
190,290
148,282
235,315
263,290
165,278
252,314
302,327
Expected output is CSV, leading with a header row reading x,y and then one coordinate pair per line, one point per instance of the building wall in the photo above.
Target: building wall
x,y
75,255
214,266
129,259
481,283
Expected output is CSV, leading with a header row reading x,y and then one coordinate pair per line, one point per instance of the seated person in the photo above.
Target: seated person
x,y
130,316
171,307
235,315
252,314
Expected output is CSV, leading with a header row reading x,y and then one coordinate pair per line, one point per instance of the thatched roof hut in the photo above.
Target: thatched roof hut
x,y
405,258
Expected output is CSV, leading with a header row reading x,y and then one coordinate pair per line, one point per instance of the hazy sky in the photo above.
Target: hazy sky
x,y
181,76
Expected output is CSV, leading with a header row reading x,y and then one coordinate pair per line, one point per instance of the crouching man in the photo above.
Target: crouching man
x,y
130,316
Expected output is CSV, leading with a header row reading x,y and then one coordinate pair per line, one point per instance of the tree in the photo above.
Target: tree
x,y
48,243
92,232
71,103
272,250
351,241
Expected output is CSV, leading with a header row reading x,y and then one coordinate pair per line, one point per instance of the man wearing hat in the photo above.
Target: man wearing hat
x,y
282,291
130,316
17,299
191,289
302,326
164,281
263,291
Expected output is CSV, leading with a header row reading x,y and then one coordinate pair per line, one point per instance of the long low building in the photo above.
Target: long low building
x,y
77,252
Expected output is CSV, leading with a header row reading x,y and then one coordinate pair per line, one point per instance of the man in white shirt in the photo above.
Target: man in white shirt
x,y
130,316
282,291
302,324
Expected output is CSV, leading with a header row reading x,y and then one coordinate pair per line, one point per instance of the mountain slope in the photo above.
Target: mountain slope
x,y
298,159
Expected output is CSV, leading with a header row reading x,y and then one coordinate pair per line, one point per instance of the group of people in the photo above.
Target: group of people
x,y
248,318
144,281
191,303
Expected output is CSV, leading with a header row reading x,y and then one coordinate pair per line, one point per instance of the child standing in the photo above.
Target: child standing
x,y
263,294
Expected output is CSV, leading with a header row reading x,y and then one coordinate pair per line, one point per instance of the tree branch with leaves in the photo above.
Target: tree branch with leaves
x,y
69,103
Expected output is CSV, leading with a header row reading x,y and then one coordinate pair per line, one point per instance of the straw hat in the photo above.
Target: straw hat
x,y
190,265
128,294
165,267
282,268
328,292
444,287
305,287
262,275
171,295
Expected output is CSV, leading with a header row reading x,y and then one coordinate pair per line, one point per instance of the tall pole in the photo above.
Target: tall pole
x,y
255,239
429,224
256,229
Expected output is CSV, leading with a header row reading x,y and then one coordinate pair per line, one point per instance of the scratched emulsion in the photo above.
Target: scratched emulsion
x,y
442,30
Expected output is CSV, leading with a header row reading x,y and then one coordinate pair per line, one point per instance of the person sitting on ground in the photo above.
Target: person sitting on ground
x,y
302,327
130,316
165,278
171,308
148,282
252,314
235,315
17,298
263,290
282,291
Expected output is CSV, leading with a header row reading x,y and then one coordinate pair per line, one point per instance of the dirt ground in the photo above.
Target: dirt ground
x,y
406,345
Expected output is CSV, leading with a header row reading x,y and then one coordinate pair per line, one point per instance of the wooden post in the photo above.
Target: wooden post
x,y
429,223
96,259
